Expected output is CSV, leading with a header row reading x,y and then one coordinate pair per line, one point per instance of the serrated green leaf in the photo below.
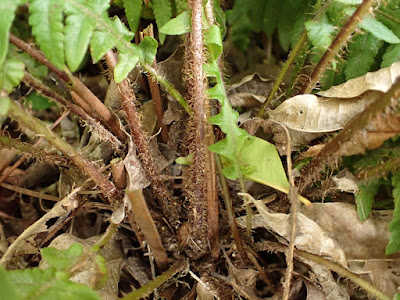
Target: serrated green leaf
x,y
62,260
8,290
379,30
365,198
163,13
213,40
100,43
7,13
46,19
361,55
125,65
11,74
391,55
178,25
79,29
394,225
320,32
121,29
133,10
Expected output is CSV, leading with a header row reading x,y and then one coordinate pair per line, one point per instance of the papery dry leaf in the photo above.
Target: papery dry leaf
x,y
310,236
364,242
113,261
381,80
310,113
250,91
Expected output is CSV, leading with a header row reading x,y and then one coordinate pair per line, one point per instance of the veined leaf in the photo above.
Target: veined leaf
x,y
379,30
46,19
133,10
7,13
394,225
320,33
100,43
11,74
126,63
391,55
8,290
178,25
213,41
163,12
62,260
361,55
79,29
365,198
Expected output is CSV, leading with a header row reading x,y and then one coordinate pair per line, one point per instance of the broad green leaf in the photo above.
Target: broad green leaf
x,y
62,260
213,40
31,282
163,12
262,158
8,290
68,290
178,25
39,102
391,55
7,13
46,19
365,198
4,105
361,55
11,74
100,43
379,30
133,9
126,63
79,29
271,16
320,32
394,225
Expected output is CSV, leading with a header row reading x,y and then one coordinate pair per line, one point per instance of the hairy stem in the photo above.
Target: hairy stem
x,y
26,119
337,44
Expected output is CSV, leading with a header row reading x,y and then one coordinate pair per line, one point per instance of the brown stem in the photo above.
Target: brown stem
x,y
337,44
155,94
148,227
87,167
140,139
76,110
202,189
98,108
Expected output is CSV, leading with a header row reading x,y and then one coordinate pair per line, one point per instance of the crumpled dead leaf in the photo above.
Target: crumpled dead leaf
x,y
332,109
250,91
362,242
310,236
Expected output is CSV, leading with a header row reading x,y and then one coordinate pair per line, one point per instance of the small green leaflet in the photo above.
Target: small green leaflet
x,y
365,198
178,25
394,225
133,10
163,12
362,52
39,102
124,66
62,260
391,55
11,74
46,18
7,13
320,33
379,30
4,106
